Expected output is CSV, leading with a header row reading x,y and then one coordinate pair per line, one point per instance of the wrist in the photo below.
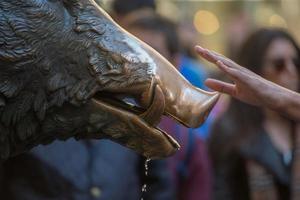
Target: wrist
x,y
284,100
277,97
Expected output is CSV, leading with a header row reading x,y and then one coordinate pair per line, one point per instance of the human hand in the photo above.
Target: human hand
x,y
247,86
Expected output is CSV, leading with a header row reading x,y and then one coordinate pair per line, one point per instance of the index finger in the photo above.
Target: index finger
x,y
204,53
214,57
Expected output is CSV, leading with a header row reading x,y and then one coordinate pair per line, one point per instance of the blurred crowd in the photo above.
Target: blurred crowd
x,y
241,152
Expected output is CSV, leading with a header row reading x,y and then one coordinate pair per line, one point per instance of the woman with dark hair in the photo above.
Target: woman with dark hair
x,y
252,148
250,87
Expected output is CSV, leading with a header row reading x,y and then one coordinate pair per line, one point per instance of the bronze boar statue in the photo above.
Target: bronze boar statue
x,y
68,70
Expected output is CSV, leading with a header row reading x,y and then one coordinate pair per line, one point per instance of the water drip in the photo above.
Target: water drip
x,y
144,188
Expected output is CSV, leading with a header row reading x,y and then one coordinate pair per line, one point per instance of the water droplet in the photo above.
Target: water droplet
x,y
146,166
144,188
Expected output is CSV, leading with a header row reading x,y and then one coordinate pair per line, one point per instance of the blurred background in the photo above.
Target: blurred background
x,y
222,25
241,152
225,158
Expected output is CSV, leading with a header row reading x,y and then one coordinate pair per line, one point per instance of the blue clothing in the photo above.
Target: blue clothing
x,y
194,72
84,170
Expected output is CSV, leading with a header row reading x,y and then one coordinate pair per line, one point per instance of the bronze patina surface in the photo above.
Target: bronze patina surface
x,y
67,70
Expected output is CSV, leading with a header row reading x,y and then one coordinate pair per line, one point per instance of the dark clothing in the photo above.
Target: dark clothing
x,y
190,165
83,171
232,181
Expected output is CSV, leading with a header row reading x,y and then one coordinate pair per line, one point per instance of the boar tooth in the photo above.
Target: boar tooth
x,y
153,114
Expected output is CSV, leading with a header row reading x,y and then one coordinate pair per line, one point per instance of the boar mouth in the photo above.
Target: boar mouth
x,y
148,139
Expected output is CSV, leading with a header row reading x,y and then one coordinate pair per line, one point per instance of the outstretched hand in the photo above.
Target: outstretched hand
x,y
250,87
247,86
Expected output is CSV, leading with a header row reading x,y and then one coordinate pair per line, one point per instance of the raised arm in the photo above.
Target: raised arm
x,y
250,87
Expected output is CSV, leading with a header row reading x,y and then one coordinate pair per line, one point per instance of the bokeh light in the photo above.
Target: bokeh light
x,y
278,21
206,22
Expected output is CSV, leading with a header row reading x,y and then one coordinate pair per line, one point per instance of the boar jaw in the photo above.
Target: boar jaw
x,y
139,131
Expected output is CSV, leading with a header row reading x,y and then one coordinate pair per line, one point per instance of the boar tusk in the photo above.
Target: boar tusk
x,y
154,112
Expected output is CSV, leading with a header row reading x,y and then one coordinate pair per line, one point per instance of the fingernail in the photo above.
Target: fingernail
x,y
198,48
219,62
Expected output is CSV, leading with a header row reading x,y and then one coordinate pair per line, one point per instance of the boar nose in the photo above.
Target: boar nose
x,y
184,102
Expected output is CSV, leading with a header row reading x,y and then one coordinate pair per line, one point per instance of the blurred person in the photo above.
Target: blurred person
x,y
253,148
238,27
192,69
122,8
250,87
83,170
190,165
188,37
